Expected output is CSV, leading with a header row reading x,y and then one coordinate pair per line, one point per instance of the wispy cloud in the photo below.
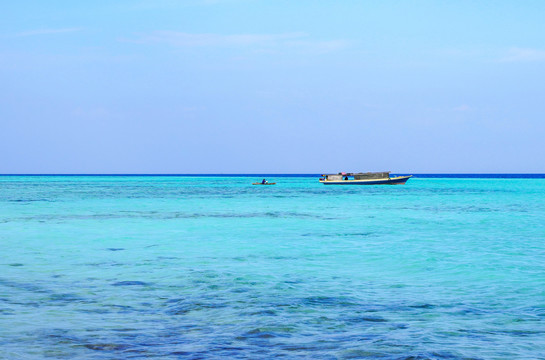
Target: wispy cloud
x,y
320,45
187,39
502,55
523,55
259,42
147,4
462,108
47,31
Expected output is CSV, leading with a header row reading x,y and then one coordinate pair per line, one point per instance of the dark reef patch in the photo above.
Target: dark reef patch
x,y
130,283
106,347
360,319
328,301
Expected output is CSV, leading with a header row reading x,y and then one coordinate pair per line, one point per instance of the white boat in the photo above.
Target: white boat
x,y
369,178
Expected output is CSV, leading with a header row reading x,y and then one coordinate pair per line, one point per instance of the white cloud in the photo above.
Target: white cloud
x,y
462,108
523,55
320,46
187,39
260,42
47,31
153,4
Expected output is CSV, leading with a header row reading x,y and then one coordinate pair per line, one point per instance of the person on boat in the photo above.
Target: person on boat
x,y
346,177
264,181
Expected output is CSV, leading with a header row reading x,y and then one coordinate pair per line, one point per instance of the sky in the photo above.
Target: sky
x,y
277,86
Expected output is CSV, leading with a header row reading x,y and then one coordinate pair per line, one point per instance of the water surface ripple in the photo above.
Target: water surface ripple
x,y
214,268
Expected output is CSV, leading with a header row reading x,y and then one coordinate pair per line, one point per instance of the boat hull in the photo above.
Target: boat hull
x,y
398,180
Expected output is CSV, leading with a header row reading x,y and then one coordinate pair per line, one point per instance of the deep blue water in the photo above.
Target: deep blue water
x,y
210,267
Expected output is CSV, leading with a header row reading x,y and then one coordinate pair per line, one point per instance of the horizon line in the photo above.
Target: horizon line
x,y
253,174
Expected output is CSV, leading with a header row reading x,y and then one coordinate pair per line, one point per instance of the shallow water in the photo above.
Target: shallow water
x,y
211,267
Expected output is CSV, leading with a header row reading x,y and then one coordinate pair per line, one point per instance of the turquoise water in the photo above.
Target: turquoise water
x,y
211,267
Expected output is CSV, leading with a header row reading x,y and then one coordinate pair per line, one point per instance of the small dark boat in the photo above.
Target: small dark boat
x,y
258,183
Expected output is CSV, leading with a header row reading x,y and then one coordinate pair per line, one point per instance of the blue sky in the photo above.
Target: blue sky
x,y
248,86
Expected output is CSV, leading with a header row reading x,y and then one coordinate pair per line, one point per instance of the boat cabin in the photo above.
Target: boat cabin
x,y
357,176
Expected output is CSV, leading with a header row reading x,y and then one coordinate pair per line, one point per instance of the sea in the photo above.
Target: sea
x,y
211,267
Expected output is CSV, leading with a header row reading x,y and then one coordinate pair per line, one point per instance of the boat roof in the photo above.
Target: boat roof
x,y
360,173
